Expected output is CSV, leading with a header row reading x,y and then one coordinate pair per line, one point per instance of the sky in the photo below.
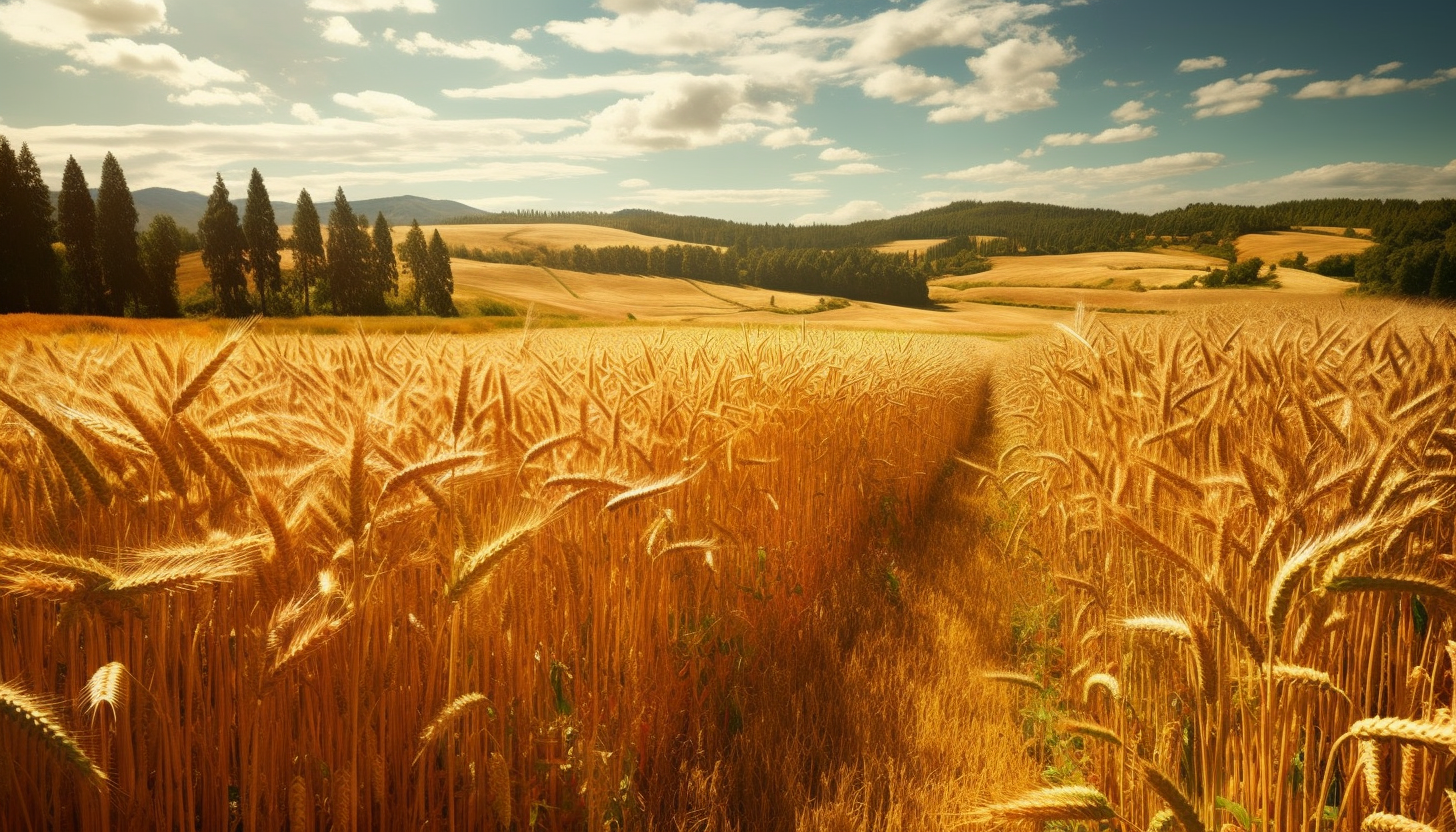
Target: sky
x,y
796,112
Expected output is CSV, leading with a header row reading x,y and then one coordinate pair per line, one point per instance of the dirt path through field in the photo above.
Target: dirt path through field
x,y
892,726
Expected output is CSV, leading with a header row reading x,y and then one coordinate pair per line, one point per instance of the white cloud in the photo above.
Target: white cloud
x,y
73,70
507,55
1014,76
649,28
354,6
1112,135
1360,85
320,153
338,29
154,60
304,113
895,33
1196,64
692,112
538,88
728,196
853,211
637,6
522,34
792,137
383,105
842,154
1158,167
904,83
1368,180
56,24
846,169
1133,111
1230,96
634,183
216,97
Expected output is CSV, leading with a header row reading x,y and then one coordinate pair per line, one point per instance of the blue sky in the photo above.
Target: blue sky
x,y
793,112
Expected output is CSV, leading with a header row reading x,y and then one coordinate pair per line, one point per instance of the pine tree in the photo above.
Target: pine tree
x,y
76,218
386,266
116,244
442,281
261,230
40,271
224,252
308,247
12,298
161,249
415,253
351,262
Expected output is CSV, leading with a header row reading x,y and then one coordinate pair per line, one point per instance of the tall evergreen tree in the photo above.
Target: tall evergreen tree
x,y
308,247
116,243
224,252
41,283
442,280
161,249
415,253
261,230
76,218
386,266
12,297
351,263
1443,283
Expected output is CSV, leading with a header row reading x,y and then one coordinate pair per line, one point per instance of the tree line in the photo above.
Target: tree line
x,y
85,256
857,273
1415,253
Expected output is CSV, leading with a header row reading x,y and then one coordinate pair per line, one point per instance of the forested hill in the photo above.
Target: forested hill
x,y
1030,228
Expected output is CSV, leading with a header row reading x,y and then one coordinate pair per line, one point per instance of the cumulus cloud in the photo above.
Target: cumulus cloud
x,y
1013,76
728,196
338,29
215,97
304,113
650,28
383,105
79,27
846,169
1376,84
354,6
1112,135
842,154
1196,64
57,24
691,112
1368,180
853,211
507,55
1247,92
1157,167
522,34
1133,111
894,33
792,137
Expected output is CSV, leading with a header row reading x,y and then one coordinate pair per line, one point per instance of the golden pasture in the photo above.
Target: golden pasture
x,y
1273,246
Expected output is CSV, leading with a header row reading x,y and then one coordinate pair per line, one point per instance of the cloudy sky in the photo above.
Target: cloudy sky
x,y
761,111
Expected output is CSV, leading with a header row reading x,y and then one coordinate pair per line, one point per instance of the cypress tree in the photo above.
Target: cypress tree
x,y
261,230
308,247
442,281
76,218
415,253
161,248
387,267
224,252
12,298
351,262
39,270
116,243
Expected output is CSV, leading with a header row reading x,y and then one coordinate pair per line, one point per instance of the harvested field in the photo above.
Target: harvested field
x,y
1274,246
1100,270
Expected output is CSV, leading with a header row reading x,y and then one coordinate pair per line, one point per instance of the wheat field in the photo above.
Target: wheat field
x,y
1245,521
389,582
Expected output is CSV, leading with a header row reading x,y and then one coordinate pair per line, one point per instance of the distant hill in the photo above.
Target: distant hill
x,y
187,208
